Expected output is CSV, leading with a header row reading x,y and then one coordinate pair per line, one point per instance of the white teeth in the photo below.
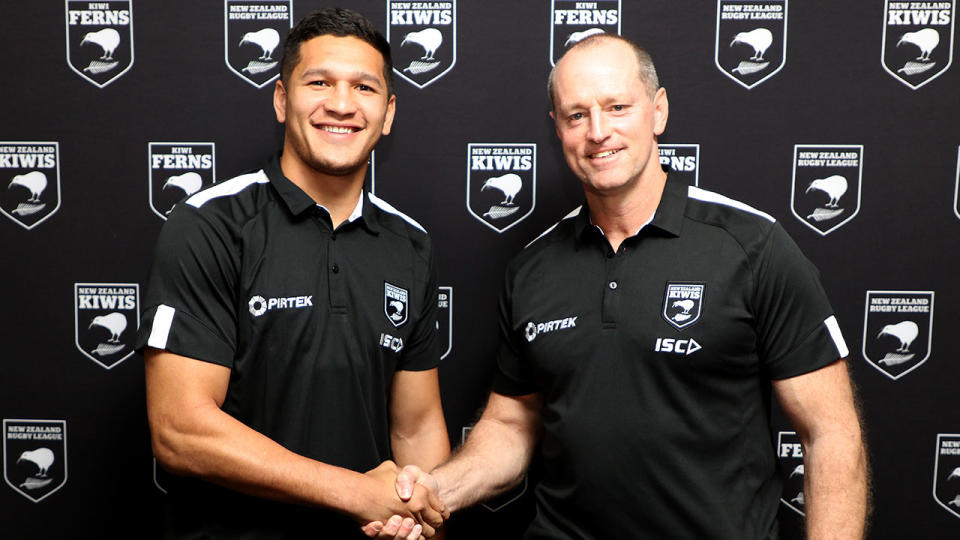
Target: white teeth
x,y
604,154
337,129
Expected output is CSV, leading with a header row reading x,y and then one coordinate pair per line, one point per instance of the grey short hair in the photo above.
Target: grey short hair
x,y
647,71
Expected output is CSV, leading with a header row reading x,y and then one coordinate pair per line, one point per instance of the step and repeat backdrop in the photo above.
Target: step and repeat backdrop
x,y
838,118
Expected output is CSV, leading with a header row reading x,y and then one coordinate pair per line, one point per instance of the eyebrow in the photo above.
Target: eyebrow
x,y
356,75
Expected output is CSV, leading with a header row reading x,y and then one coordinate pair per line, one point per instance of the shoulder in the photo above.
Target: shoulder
x,y
226,205
550,244
399,224
749,226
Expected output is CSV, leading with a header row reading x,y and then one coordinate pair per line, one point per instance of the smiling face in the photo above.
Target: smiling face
x,y
335,105
605,119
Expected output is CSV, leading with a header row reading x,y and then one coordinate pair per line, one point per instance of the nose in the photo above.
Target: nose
x,y
599,127
341,100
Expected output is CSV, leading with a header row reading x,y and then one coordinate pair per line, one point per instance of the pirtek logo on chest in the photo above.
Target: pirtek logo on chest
x,y
534,329
260,305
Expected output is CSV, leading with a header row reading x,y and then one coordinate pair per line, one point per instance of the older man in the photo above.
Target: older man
x,y
642,338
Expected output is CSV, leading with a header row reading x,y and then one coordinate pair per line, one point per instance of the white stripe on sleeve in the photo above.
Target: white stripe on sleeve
x,y
160,331
837,336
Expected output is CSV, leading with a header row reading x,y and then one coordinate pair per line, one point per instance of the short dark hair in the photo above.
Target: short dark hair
x,y
647,71
337,22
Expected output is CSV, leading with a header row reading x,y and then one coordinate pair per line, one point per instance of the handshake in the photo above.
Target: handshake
x,y
401,504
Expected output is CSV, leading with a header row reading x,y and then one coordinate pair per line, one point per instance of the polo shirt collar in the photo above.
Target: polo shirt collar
x,y
668,216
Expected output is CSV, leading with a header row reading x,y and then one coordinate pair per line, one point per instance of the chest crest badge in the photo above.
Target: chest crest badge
x,y
395,304
683,303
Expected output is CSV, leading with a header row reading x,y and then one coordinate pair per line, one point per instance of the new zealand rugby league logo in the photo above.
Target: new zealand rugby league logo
x,y
501,183
106,318
751,43
790,454
917,40
99,40
176,171
825,194
683,303
572,21
946,473
29,181
897,330
253,33
35,456
423,39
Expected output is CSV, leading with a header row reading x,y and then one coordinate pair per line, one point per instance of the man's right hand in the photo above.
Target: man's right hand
x,y
407,484
399,495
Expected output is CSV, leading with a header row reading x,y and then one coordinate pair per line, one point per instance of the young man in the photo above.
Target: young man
x,y
270,384
642,338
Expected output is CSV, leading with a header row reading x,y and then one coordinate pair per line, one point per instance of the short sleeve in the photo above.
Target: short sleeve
x,y
797,331
513,376
190,302
422,352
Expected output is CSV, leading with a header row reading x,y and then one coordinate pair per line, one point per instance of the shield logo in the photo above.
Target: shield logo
x,y
946,473
177,170
751,42
395,304
99,40
501,183
790,454
253,32
682,160
897,330
571,22
683,303
30,190
445,320
917,42
423,39
106,319
35,456
825,193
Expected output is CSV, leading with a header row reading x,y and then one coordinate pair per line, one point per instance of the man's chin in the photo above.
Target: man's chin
x,y
337,169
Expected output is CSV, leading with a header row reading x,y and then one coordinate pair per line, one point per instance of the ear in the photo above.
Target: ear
x,y
661,110
556,126
388,118
280,102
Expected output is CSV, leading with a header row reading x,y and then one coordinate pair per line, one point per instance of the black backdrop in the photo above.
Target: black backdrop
x,y
90,112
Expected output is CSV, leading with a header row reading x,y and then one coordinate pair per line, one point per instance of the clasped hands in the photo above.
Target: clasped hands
x,y
408,497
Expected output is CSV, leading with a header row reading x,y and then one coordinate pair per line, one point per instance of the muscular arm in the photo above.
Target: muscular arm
x,y
821,407
193,436
496,455
418,432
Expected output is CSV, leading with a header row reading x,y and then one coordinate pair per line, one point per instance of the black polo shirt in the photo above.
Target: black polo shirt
x,y
313,322
655,365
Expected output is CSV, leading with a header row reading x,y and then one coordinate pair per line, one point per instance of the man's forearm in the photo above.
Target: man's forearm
x,y
836,487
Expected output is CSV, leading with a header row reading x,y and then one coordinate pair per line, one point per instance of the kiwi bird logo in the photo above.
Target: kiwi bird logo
x,y
34,181
926,40
41,457
954,474
189,182
685,305
834,186
760,39
577,37
114,322
508,184
905,331
398,310
107,39
267,39
429,38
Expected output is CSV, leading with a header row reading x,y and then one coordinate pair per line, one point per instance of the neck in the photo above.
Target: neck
x,y
338,194
621,215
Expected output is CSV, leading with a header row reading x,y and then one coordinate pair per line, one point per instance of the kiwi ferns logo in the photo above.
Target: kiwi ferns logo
x,y
572,21
682,160
825,194
99,39
751,41
178,170
35,456
897,330
29,181
917,42
254,31
423,39
106,318
501,183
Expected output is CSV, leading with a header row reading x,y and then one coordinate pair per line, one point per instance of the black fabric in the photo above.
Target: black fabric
x,y
674,440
